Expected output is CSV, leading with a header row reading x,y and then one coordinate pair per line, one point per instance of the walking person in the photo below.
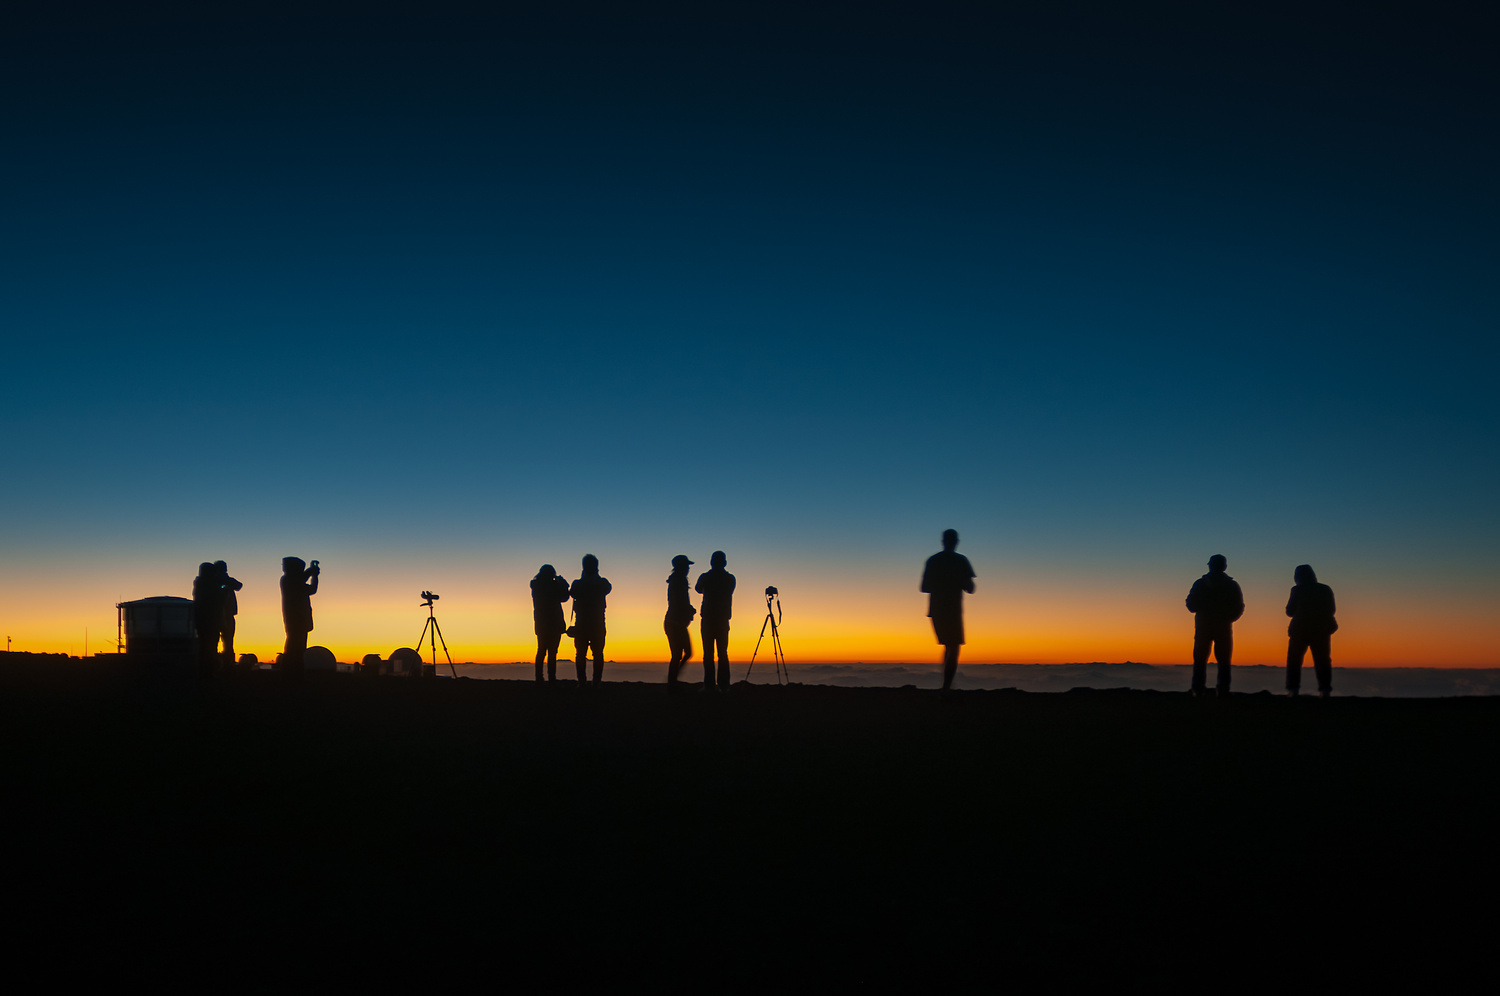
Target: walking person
x,y
207,616
548,593
1311,607
945,578
716,585
588,594
229,609
1216,602
680,613
299,583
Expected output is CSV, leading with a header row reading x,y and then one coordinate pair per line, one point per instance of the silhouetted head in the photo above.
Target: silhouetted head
x,y
680,563
1218,562
205,569
547,571
293,566
221,567
590,564
718,559
950,539
1304,575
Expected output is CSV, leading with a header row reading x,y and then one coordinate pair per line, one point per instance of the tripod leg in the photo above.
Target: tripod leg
x,y
757,646
439,634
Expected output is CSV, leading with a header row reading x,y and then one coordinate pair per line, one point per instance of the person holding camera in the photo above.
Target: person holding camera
x,y
548,593
680,613
588,594
716,585
945,578
299,583
228,610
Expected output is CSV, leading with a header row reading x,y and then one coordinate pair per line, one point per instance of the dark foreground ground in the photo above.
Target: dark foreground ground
x,y
351,830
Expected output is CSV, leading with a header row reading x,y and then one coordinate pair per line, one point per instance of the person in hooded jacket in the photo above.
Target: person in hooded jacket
x,y
208,603
588,594
548,593
680,613
1311,607
1216,603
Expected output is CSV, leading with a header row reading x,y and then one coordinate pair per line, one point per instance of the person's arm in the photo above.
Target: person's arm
x,y
605,587
1239,602
1192,599
312,586
699,586
1332,609
968,581
927,578
1291,603
233,583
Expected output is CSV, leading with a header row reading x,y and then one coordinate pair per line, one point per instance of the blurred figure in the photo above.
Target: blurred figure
x,y
229,609
548,593
299,583
1311,608
1216,602
716,585
208,614
588,594
680,613
945,578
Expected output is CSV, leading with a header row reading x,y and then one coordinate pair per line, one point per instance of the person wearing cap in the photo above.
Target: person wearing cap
x,y
208,610
1311,607
680,613
945,578
716,585
1216,603
588,594
548,593
296,609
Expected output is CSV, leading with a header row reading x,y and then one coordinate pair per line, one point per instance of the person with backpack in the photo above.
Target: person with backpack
x,y
1216,603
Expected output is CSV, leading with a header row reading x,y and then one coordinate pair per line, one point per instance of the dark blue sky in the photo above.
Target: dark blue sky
x,y
1102,288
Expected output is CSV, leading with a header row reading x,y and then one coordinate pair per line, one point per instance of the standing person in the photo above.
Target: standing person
x,y
588,594
299,583
680,613
716,585
945,578
548,593
1216,602
1311,608
231,608
207,615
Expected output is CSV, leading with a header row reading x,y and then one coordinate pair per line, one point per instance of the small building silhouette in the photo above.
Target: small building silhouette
x,y
159,628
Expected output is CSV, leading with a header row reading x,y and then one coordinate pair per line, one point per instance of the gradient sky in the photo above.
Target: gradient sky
x,y
437,296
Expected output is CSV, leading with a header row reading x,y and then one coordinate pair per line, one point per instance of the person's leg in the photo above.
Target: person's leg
x,y
208,648
950,664
706,632
541,654
229,640
723,640
1202,641
581,644
1296,649
296,647
552,657
1223,652
1322,655
598,642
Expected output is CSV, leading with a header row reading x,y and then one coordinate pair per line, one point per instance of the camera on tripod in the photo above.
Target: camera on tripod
x,y
771,591
430,598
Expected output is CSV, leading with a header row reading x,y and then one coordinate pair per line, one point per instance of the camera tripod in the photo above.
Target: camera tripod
x,y
437,635
772,595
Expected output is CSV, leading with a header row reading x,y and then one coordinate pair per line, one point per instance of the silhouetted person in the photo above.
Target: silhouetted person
x,y
945,578
588,594
299,583
716,585
1216,602
548,593
229,609
680,613
208,612
1311,608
